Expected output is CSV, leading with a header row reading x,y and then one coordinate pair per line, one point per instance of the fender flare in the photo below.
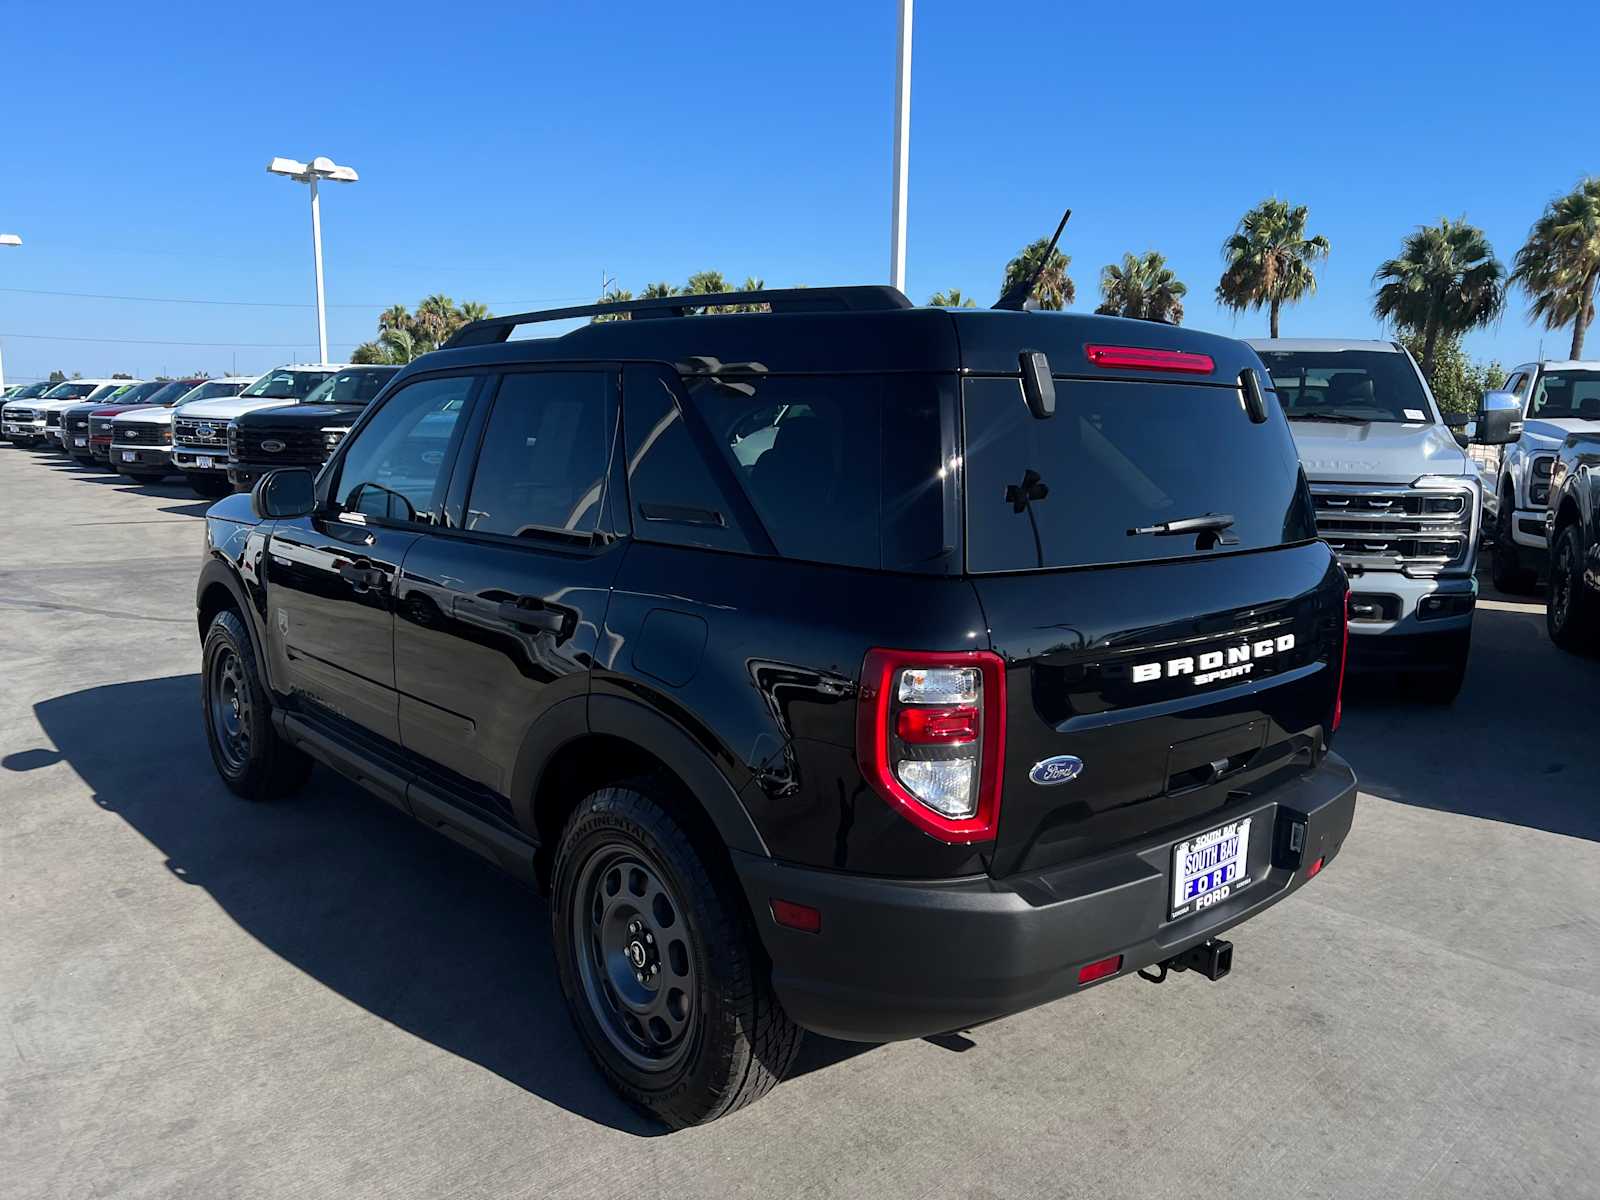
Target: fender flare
x,y
650,731
216,570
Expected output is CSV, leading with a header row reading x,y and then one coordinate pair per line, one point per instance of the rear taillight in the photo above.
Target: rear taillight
x,y
1344,652
1143,358
930,737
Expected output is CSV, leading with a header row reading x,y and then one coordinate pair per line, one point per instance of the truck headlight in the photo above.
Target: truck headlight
x,y
332,434
1448,521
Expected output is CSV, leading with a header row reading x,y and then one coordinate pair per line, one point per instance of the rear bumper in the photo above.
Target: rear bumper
x,y
899,959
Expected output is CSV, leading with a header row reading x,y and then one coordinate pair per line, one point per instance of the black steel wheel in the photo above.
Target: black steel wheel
x,y
253,760
635,956
663,972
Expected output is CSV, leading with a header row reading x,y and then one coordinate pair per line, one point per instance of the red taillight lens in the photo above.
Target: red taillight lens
x,y
930,738
1312,870
1143,358
1344,653
937,726
1099,970
796,916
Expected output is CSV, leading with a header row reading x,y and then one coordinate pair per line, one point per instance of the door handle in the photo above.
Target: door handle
x,y
521,612
361,576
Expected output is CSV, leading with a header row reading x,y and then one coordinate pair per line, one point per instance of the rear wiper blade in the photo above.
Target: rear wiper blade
x,y
1339,417
1201,524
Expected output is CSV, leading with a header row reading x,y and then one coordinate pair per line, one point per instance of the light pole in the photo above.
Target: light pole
x,y
902,149
317,169
6,239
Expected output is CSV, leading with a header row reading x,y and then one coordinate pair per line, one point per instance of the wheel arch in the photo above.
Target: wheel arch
x,y
571,753
220,589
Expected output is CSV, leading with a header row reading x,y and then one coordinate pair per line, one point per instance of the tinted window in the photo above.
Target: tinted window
x,y
1366,385
70,391
285,384
1561,394
840,469
542,464
394,465
674,495
1117,457
355,385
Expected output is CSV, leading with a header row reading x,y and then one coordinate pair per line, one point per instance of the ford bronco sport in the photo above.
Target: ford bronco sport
x,y
848,666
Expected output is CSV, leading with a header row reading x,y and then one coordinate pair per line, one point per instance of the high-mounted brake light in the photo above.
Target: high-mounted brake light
x,y
1344,652
930,738
1143,358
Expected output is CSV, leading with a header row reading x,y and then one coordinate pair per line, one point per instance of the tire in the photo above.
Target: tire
x,y
633,901
209,487
1509,573
1571,610
252,759
1443,686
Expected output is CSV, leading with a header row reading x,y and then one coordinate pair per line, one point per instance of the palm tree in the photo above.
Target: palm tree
x,y
1270,260
369,352
1053,289
436,319
706,283
658,291
1144,288
614,296
1445,282
473,310
951,299
395,316
1559,265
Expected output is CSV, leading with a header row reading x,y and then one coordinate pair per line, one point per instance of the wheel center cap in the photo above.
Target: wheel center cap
x,y
636,954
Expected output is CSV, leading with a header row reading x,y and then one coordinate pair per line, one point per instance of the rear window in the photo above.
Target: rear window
x,y
1118,457
1347,385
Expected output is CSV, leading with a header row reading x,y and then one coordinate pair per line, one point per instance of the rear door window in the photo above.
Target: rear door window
x,y
1118,457
542,466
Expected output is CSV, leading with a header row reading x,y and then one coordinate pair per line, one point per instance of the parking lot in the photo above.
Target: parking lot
x,y
207,998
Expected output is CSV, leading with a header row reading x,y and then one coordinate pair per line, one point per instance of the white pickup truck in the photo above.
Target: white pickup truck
x,y
1396,497
1553,399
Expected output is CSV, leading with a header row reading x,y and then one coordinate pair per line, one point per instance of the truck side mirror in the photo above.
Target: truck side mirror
x,y
286,492
1499,419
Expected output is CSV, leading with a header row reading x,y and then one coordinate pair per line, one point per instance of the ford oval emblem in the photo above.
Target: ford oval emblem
x,y
272,445
1063,768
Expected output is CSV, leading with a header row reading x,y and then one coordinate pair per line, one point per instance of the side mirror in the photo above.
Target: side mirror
x,y
286,492
1499,419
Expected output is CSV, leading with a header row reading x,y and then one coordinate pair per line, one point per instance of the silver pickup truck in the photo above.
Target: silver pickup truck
x,y
1555,401
1396,497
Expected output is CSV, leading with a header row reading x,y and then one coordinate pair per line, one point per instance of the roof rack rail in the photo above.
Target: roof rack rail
x,y
865,298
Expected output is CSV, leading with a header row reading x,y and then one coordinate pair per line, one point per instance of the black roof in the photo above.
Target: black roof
x,y
834,330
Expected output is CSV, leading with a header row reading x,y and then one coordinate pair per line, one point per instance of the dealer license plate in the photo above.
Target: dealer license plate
x,y
129,456
203,463
1206,870
80,441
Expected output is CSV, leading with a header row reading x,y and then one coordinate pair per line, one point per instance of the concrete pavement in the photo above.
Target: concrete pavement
x,y
202,997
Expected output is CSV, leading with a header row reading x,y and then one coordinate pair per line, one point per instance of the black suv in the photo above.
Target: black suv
x,y
304,434
847,666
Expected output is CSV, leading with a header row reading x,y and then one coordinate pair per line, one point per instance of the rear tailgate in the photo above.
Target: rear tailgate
x,y
1177,668
1175,685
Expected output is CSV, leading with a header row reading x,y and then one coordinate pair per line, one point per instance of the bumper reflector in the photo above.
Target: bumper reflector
x,y
1099,970
797,916
1312,870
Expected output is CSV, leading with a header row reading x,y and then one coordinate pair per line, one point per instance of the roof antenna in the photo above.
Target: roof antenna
x,y
1015,297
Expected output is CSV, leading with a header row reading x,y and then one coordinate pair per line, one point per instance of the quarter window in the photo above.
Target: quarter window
x,y
543,463
394,467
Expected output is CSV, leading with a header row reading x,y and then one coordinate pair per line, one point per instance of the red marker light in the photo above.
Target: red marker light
x,y
937,726
1099,970
797,916
1143,358
1311,871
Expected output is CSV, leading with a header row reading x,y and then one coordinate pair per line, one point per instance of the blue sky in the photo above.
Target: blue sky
x,y
512,153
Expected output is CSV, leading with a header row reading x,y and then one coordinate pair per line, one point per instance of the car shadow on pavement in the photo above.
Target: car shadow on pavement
x,y
1516,746
370,904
